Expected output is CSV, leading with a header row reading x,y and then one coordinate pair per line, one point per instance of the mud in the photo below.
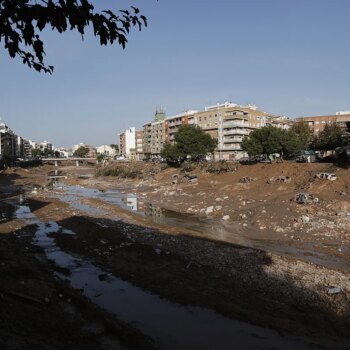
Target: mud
x,y
176,267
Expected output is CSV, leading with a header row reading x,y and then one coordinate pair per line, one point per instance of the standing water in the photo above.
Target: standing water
x,y
171,326
202,226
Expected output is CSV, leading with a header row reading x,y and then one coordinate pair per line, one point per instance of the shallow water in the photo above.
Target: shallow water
x,y
172,326
205,227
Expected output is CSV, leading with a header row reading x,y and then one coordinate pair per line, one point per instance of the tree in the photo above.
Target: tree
x,y
331,137
36,152
57,154
171,154
81,152
100,157
304,134
47,152
252,146
269,140
190,141
114,146
22,20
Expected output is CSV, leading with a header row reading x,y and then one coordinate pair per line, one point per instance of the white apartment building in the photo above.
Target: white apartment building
x,y
127,142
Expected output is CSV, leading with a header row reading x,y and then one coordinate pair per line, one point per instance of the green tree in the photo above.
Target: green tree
x,y
252,146
21,22
171,154
190,141
194,142
36,153
292,144
304,134
331,137
114,146
269,140
100,157
47,152
57,154
81,152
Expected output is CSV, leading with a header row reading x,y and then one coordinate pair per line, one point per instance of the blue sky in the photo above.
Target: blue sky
x,y
289,57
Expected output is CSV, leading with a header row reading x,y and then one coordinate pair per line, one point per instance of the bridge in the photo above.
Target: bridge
x,y
65,161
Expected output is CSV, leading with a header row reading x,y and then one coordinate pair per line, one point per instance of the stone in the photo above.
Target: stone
x,y
219,199
209,210
226,217
334,290
218,207
305,219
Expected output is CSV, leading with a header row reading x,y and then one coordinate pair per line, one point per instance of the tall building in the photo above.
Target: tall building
x,y
173,123
7,141
139,145
317,123
127,143
154,135
229,123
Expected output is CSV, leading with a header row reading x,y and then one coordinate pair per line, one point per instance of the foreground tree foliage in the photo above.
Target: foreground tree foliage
x,y
22,20
190,141
269,140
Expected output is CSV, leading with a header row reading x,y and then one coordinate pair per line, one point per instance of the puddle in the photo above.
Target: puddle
x,y
172,326
204,227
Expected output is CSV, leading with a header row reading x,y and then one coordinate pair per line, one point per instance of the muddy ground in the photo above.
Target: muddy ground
x,y
242,283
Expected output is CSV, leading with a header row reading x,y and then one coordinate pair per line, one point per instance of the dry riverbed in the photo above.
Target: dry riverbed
x,y
241,283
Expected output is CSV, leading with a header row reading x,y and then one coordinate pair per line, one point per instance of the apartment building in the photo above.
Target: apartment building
x,y
146,142
139,145
127,142
229,123
153,137
7,141
173,123
317,123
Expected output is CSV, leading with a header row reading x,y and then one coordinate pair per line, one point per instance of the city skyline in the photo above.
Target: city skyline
x,y
288,59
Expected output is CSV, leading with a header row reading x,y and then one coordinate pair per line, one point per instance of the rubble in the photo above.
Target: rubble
x,y
279,179
326,176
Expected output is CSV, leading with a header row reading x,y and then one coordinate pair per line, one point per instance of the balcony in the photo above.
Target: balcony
x,y
236,132
231,148
236,117
232,139
231,124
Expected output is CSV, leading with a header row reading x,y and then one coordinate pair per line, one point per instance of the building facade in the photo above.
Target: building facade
x,y
173,123
229,123
317,123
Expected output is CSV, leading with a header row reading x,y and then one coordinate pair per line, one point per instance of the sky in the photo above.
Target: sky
x,y
288,57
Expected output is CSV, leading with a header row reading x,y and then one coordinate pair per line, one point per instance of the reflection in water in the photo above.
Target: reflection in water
x,y
172,326
156,213
132,203
205,227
